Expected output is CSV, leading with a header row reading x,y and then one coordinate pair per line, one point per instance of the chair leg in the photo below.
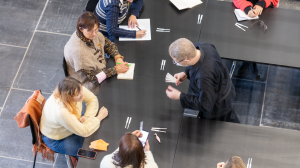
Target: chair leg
x,y
34,161
232,68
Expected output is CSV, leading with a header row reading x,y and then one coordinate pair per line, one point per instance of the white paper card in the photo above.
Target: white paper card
x,y
144,24
129,74
241,15
185,4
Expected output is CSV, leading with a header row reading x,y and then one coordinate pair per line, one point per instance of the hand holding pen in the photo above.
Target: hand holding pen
x,y
252,13
140,33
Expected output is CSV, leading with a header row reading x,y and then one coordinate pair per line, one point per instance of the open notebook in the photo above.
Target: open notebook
x,y
185,4
129,74
241,15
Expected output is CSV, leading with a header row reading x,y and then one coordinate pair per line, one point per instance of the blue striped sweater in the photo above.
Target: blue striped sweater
x,y
112,12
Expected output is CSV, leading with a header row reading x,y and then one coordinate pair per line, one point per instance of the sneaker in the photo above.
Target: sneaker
x,y
243,69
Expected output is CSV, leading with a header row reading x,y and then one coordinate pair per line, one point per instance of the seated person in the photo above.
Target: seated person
x,y
111,13
84,54
253,8
233,162
213,91
63,126
130,154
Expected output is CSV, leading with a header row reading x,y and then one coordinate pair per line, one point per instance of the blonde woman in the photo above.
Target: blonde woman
x,y
233,162
63,125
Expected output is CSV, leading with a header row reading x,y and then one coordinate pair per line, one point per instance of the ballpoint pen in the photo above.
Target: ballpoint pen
x,y
121,63
138,28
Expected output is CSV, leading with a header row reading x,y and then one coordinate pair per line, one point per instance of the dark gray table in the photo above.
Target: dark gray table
x,y
144,97
280,45
204,143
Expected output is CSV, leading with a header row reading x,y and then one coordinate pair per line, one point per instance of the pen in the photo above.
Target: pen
x,y
121,63
138,28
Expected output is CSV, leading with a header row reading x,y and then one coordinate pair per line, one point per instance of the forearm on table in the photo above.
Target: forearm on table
x,y
112,17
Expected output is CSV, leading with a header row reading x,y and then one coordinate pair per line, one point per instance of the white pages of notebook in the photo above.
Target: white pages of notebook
x,y
170,78
129,74
185,4
144,24
241,15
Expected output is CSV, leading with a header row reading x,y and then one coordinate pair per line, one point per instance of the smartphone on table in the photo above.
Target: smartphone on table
x,y
86,153
144,138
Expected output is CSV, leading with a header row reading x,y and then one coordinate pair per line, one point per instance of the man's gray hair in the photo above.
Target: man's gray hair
x,y
182,49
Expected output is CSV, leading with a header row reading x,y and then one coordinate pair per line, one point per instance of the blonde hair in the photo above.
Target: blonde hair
x,y
235,162
182,48
65,90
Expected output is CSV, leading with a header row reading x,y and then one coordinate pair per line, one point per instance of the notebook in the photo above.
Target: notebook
x,y
144,24
241,15
185,4
129,74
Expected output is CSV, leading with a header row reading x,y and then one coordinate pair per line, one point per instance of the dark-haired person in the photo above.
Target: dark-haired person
x,y
112,12
257,7
62,124
85,54
233,162
130,154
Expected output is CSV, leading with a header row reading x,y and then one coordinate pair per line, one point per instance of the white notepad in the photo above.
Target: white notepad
x,y
129,74
241,15
144,24
185,4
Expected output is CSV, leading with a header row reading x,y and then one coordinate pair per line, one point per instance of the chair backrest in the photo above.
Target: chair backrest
x,y
64,64
91,5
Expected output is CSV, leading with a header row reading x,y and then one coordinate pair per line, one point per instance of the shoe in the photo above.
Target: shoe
x,y
243,69
254,71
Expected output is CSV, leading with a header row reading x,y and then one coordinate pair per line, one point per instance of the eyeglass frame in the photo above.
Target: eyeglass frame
x,y
262,23
174,62
92,31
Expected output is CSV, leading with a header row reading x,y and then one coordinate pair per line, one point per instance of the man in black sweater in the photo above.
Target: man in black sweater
x,y
213,92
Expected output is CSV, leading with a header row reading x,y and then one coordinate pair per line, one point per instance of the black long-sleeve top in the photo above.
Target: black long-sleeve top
x,y
210,82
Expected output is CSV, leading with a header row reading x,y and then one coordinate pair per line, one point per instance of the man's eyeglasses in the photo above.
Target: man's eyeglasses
x,y
261,24
174,62
92,31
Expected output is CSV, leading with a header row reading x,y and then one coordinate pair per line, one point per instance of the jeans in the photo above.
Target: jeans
x,y
68,145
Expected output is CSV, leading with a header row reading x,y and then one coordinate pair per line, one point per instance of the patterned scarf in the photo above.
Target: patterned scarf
x,y
88,42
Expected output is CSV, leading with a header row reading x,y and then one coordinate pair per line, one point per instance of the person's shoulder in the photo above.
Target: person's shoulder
x,y
111,2
107,161
205,45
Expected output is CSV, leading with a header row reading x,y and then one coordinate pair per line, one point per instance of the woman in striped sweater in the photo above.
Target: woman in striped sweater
x,y
112,12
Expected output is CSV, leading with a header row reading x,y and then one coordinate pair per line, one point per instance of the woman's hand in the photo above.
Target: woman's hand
x,y
180,77
137,133
252,13
102,113
220,165
132,22
140,33
122,68
258,9
83,118
147,147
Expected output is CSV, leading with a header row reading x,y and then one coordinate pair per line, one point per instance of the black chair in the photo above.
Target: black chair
x,y
64,64
91,5
34,138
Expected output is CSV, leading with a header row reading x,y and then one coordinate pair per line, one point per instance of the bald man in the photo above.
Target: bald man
x,y
213,92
